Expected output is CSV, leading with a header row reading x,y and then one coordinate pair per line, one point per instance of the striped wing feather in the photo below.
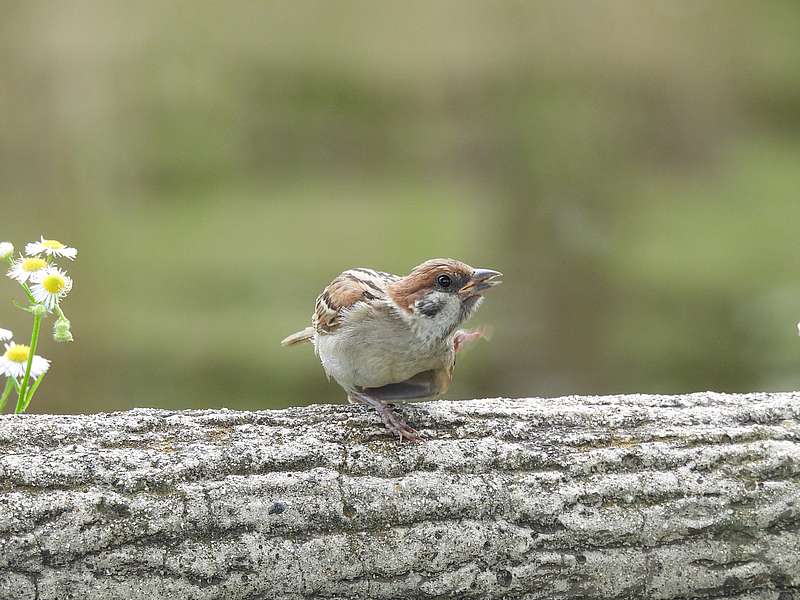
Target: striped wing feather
x,y
349,288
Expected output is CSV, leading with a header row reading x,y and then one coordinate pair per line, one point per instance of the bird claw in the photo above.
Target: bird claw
x,y
397,425
394,422
464,337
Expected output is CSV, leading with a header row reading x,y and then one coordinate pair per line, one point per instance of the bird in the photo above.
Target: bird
x,y
386,338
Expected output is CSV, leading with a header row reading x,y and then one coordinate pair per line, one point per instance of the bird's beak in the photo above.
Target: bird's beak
x,y
481,280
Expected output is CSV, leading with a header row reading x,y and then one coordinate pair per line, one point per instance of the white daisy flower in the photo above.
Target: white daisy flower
x,y
6,250
50,286
5,334
15,359
25,267
50,248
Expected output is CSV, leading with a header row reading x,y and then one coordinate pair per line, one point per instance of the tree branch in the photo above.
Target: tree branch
x,y
578,497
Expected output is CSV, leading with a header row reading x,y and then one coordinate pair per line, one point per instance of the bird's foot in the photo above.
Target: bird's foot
x,y
464,337
397,425
394,422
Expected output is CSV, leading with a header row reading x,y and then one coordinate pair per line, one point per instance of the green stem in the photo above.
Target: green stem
x,y
32,391
23,388
6,393
28,293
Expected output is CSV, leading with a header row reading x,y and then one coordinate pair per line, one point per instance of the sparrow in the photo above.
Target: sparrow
x,y
385,338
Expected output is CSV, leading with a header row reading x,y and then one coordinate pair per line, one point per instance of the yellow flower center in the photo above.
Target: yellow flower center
x,y
33,264
53,283
17,353
52,244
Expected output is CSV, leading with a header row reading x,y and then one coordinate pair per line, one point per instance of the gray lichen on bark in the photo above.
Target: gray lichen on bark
x,y
577,497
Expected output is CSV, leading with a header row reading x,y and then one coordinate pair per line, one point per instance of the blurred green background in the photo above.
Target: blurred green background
x,y
632,167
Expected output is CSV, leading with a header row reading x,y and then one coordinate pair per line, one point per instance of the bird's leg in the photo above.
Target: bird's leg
x,y
422,385
462,338
392,420
465,336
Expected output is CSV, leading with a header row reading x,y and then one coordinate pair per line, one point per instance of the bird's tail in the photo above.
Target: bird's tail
x,y
306,335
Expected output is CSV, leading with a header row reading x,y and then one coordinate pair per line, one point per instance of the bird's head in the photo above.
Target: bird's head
x,y
440,294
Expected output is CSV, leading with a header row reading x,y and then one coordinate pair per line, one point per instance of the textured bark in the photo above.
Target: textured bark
x,y
578,497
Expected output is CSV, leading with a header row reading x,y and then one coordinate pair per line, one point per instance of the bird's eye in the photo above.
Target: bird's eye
x,y
444,281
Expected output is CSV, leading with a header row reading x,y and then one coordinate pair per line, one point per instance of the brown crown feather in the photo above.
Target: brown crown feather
x,y
407,290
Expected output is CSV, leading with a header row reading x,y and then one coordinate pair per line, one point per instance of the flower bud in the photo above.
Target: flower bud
x,y
6,250
61,331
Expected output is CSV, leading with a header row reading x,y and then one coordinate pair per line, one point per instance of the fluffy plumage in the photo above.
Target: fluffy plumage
x,y
385,338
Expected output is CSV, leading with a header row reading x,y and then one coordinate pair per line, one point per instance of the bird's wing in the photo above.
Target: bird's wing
x,y
427,384
344,292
